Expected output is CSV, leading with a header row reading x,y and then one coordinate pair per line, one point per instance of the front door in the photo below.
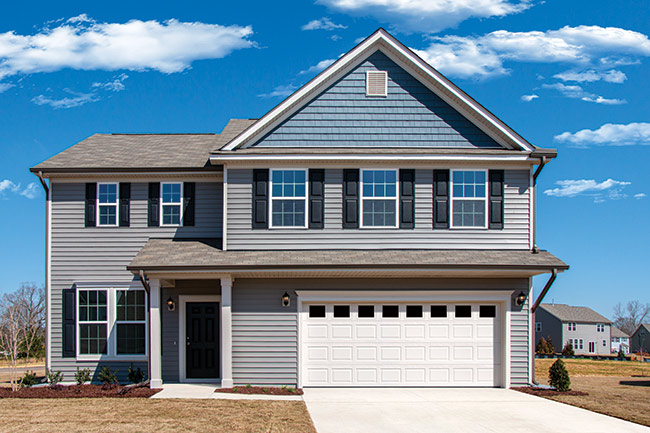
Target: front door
x,y
202,345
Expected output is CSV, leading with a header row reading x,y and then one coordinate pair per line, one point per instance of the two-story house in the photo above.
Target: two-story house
x,y
588,332
620,341
376,228
640,339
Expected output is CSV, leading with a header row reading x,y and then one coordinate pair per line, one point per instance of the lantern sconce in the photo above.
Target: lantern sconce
x,y
286,300
171,305
520,299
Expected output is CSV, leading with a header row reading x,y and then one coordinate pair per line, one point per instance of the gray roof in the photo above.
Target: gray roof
x,y
261,150
618,333
568,313
130,152
162,254
644,325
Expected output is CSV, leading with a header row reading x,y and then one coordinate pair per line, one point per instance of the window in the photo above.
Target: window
x,y
592,346
341,311
93,322
288,198
366,311
572,326
414,311
538,326
604,343
469,199
379,198
463,311
438,311
600,327
617,340
390,311
107,204
487,311
171,208
130,322
317,311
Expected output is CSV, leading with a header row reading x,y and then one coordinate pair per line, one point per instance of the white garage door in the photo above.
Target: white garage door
x,y
390,344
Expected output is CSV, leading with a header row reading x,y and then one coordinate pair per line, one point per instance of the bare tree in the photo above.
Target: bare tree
x,y
10,336
32,316
628,318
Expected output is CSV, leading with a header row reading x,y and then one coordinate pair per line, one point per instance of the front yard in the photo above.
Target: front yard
x,y
611,387
145,415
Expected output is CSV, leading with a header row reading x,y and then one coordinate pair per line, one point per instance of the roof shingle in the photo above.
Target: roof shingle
x,y
569,313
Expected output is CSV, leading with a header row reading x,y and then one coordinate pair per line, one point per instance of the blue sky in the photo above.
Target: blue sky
x,y
570,75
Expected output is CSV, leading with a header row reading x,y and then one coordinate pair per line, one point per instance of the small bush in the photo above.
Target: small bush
x,y
551,347
82,376
54,377
248,385
135,376
29,379
558,377
567,350
544,348
108,377
621,354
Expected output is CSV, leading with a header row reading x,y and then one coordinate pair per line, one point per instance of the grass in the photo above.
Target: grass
x,y
135,415
590,367
32,362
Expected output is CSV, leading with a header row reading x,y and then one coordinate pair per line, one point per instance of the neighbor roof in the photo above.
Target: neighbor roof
x,y
568,313
618,333
206,254
151,152
644,325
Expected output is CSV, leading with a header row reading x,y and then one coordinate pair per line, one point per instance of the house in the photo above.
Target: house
x,y
640,339
620,341
376,228
587,331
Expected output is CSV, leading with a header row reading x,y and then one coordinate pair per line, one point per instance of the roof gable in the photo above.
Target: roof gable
x,y
569,313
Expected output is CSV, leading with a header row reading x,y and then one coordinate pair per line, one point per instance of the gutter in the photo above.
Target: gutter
x,y
43,183
542,162
547,287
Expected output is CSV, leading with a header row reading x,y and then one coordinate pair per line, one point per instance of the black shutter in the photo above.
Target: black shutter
x,y
125,204
189,191
68,322
91,203
440,199
316,197
350,198
495,199
260,199
154,204
407,199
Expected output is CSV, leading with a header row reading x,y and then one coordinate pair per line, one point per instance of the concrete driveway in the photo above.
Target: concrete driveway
x,y
418,410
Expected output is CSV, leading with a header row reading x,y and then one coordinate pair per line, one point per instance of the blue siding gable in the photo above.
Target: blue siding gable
x,y
410,116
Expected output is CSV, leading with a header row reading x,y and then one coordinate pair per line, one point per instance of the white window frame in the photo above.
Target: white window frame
x,y
180,205
130,322
272,199
116,205
362,198
571,326
538,326
385,93
600,327
111,330
589,346
452,199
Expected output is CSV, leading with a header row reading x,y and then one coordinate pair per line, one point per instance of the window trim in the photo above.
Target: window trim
x,y
180,205
538,326
111,330
600,327
452,199
116,205
572,326
362,198
271,199
131,322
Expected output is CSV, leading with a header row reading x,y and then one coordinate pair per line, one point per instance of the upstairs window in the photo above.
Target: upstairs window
x,y
572,326
600,327
171,199
469,199
289,198
107,204
379,198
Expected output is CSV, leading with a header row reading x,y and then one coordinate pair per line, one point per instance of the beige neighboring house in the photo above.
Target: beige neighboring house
x,y
620,341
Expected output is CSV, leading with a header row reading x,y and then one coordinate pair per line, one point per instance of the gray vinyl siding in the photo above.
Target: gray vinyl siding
x,y
100,254
520,350
551,328
515,234
410,116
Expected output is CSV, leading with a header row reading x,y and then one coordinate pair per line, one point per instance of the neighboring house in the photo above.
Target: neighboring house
x,y
640,339
587,331
620,341
376,228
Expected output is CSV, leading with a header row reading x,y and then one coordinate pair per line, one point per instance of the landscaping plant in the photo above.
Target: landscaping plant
x,y
135,375
29,379
108,377
558,376
82,376
54,377
568,350
621,354
544,348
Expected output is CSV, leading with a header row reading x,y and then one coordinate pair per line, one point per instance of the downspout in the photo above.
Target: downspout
x,y
539,300
48,217
147,288
541,165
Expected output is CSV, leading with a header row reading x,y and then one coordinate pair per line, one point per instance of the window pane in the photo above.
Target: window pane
x,y
438,311
130,339
171,214
92,339
379,183
341,311
463,311
487,311
107,193
288,213
414,311
469,213
130,305
92,305
379,213
317,311
288,183
390,311
366,311
171,192
468,184
107,215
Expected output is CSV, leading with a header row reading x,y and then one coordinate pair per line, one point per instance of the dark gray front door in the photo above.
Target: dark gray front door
x,y
202,345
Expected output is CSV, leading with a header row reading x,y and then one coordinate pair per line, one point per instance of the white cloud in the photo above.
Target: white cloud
x,y
5,86
323,24
81,43
7,186
600,191
76,100
317,67
611,76
529,98
587,47
280,91
427,15
609,134
335,37
639,196
116,84
577,92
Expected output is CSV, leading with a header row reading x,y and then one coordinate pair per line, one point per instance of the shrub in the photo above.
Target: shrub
x,y
621,354
82,376
54,377
135,376
568,350
558,377
551,348
108,377
543,348
29,379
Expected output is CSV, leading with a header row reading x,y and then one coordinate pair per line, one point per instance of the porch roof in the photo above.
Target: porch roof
x,y
183,255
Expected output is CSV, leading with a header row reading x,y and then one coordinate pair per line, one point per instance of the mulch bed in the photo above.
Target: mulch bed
x,y
271,390
74,391
543,392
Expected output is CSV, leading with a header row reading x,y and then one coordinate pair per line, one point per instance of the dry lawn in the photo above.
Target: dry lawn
x,y
589,367
145,415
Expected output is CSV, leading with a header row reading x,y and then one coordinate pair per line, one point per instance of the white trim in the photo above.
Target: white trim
x,y
452,199
362,198
179,204
155,352
224,218
531,333
385,77
48,279
219,159
226,332
271,198
182,335
116,205
506,344
382,40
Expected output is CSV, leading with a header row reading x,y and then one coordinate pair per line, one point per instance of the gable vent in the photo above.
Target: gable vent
x,y
376,83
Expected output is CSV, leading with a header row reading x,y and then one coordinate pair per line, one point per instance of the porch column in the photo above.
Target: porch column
x,y
226,332
155,352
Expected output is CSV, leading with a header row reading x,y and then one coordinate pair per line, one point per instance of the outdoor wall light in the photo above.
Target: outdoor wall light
x,y
171,305
286,300
520,299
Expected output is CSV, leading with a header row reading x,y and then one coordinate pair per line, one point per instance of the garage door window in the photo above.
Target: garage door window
x,y
341,311
390,311
487,311
317,311
438,311
463,311
366,311
414,311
